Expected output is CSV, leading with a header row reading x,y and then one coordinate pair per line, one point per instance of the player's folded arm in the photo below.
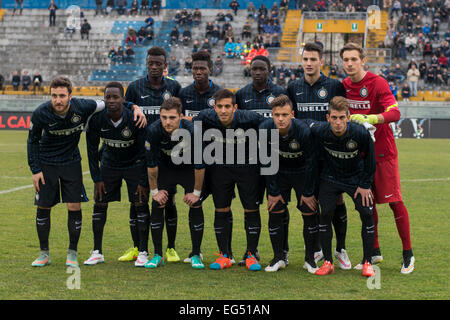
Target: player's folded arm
x,y
34,136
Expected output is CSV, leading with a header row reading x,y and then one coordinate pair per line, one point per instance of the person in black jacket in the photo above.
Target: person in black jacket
x,y
85,28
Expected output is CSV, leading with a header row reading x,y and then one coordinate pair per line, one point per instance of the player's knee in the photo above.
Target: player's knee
x,y
156,204
227,209
44,209
74,206
101,204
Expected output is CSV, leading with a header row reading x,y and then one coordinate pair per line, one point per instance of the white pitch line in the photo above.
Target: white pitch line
x,y
25,187
426,180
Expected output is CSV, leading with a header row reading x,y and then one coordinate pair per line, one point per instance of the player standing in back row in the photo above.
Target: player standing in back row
x,y
311,95
372,101
149,93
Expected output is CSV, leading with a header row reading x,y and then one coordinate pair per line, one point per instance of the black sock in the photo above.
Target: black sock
x,y
196,225
221,229
230,228
286,218
133,226
74,225
276,233
171,218
253,230
340,225
367,235
310,235
43,227
98,224
317,245
143,224
326,235
157,226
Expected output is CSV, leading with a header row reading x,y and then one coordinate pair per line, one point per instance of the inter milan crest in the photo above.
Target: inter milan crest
x,y
211,102
147,145
294,145
351,145
269,99
126,133
322,93
75,119
166,95
363,92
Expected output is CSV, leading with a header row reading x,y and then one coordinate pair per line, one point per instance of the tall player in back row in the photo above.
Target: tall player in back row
x,y
372,101
149,93
311,95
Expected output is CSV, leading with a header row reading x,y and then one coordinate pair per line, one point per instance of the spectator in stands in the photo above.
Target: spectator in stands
x,y
427,49
292,78
69,31
187,36
394,89
18,5
434,61
188,65
197,15
281,80
430,76
26,80
276,40
418,24
15,81
84,30
2,81
220,16
406,92
109,6
99,7
145,6
284,7
396,8
217,66
443,61
174,36
141,36
422,68
434,32
120,54
238,49
134,7
129,55
149,21
234,5
229,49
150,33
37,81
410,43
267,39
206,46
156,6
52,7
131,36
112,55
196,46
215,35
442,77
259,39
174,66
413,76
263,51
121,6
246,30
251,11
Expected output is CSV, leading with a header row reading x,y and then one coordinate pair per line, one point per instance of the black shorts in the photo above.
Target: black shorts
x,y
113,183
223,180
64,182
169,178
329,192
286,182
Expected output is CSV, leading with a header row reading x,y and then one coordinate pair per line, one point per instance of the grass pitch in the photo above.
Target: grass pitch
x,y
425,173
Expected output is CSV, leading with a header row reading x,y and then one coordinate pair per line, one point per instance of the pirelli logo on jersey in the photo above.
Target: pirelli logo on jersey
x,y
67,132
264,112
312,107
342,154
118,143
191,113
150,110
290,155
360,105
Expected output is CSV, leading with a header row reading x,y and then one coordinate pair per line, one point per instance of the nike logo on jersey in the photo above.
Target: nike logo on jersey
x,y
103,130
52,124
348,90
247,101
299,93
389,195
189,101
143,97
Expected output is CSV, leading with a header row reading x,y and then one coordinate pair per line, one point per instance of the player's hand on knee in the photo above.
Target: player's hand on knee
x,y
38,177
190,199
99,190
273,200
366,196
141,193
161,197
311,202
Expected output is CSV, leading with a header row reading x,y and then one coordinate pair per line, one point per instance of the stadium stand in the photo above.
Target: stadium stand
x,y
31,44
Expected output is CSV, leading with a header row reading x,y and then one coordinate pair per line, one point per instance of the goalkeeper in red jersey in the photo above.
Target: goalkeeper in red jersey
x,y
372,101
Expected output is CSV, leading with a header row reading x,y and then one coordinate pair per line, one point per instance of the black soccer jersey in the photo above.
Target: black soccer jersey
x,y
348,160
295,153
311,102
123,145
236,147
248,98
159,147
193,102
52,139
149,99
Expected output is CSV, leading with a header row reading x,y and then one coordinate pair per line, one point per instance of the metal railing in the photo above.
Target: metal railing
x,y
334,15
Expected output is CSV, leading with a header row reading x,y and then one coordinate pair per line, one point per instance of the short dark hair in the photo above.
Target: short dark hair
x,y
172,103
339,103
203,56
157,51
61,82
311,46
281,101
224,94
115,84
262,58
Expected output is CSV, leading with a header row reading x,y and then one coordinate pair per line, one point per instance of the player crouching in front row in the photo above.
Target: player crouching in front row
x,y
349,167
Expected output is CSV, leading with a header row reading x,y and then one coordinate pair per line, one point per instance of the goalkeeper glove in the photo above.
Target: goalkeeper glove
x,y
361,118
